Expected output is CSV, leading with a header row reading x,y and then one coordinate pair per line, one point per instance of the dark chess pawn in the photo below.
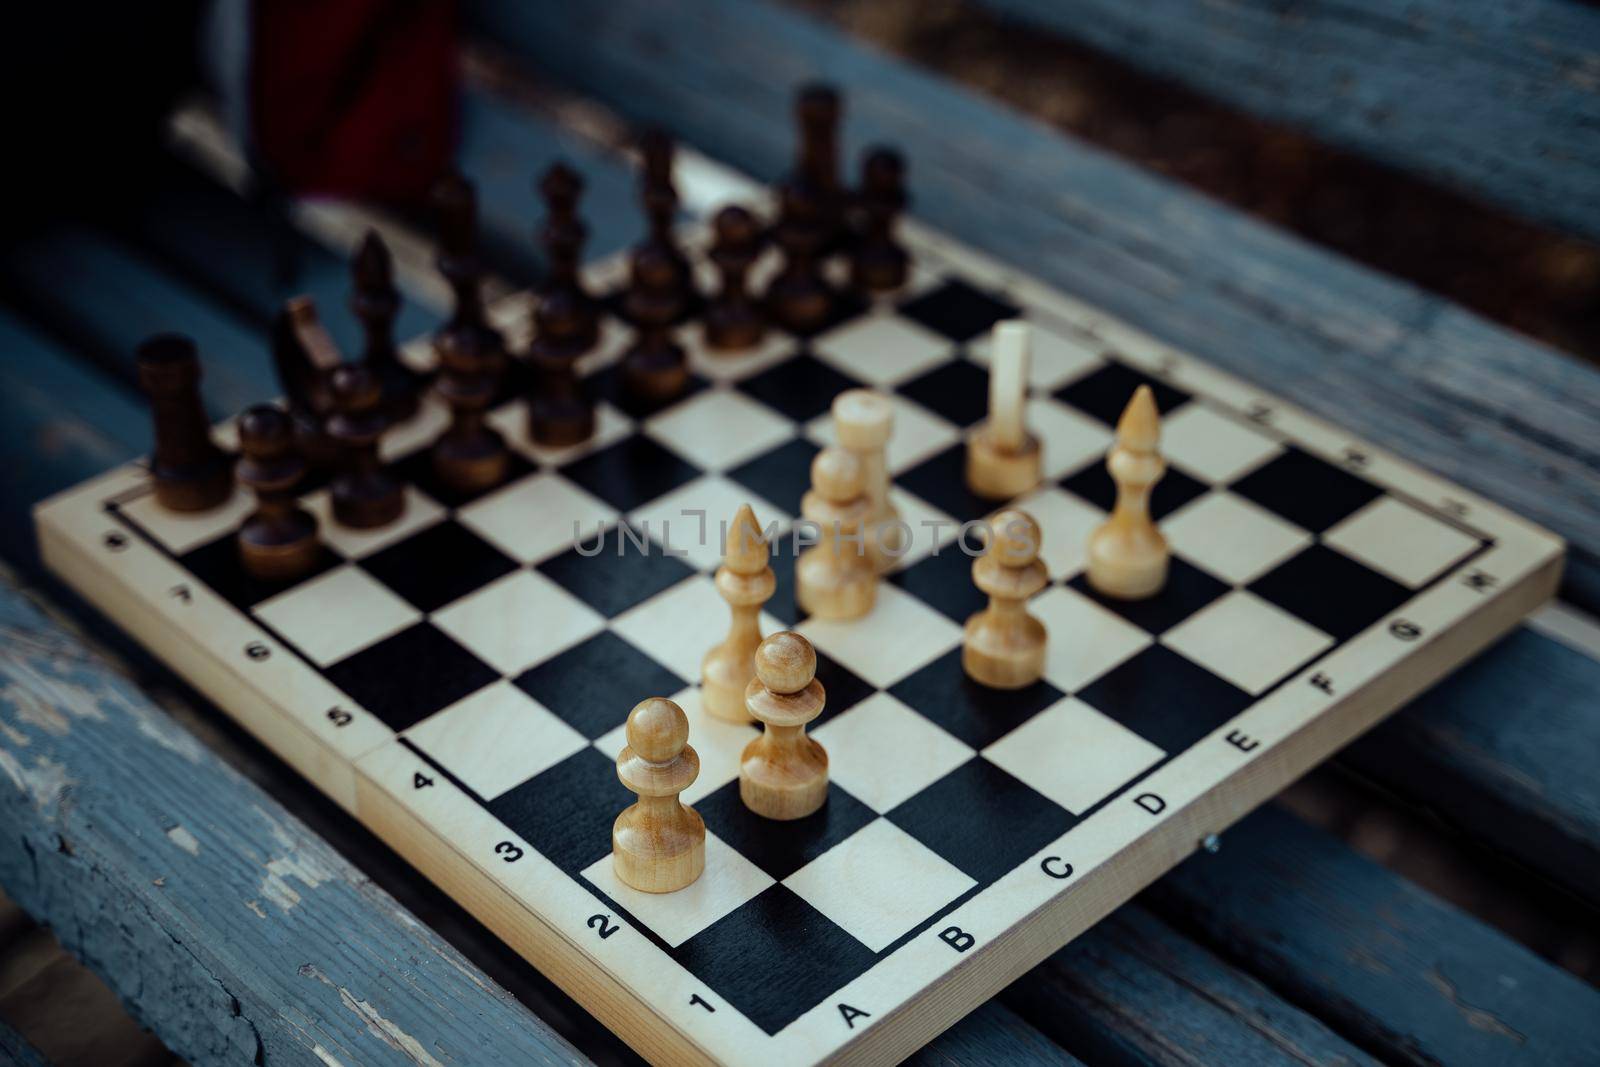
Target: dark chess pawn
x,y
305,358
660,198
278,541
470,455
190,472
879,262
562,236
558,412
655,369
365,493
798,297
733,320
376,302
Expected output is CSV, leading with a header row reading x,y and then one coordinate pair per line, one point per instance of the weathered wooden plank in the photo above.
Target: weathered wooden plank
x,y
103,298
1504,750
1386,81
234,934
1495,412
1386,964
992,1034
247,257
1126,993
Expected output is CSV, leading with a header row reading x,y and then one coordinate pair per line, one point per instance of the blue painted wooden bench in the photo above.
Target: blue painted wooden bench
x,y
197,877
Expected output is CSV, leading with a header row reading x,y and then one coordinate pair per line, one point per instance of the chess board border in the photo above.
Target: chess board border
x,y
359,762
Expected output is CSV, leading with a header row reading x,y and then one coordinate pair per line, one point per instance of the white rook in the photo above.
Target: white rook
x,y
1003,458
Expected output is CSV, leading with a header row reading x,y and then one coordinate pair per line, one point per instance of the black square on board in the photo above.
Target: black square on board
x,y
1309,492
1094,484
442,563
416,468
943,694
608,382
958,310
843,689
847,305
216,564
774,958
566,811
405,678
1105,392
958,390
594,684
781,476
802,387
617,573
1188,589
982,819
944,581
783,555
780,849
1331,591
1165,698
631,473
942,482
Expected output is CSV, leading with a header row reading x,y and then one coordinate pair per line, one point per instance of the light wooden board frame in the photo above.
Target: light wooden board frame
x,y
925,985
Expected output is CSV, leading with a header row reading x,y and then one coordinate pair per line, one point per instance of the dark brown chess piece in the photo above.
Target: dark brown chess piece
x,y
660,198
655,369
467,329
817,114
559,413
798,297
305,358
278,541
733,320
879,263
365,494
376,302
470,455
563,235
190,472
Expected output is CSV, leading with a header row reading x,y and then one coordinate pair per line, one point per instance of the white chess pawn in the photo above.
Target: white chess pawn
x,y
834,578
657,844
1003,646
783,774
1128,556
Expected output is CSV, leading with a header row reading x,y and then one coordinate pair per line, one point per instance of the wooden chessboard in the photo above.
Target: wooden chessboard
x,y
459,680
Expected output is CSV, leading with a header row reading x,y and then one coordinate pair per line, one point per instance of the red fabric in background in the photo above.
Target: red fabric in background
x,y
354,98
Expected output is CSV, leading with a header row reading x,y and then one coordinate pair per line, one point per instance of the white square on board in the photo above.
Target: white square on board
x,y
1393,537
536,517
1231,537
336,614
858,741
1054,358
930,528
918,434
1066,521
727,882
737,365
883,349
519,620
1246,640
719,428
678,625
1070,440
688,521
1073,754
421,511
1212,446
899,635
181,531
1086,640
878,883
719,744
495,739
